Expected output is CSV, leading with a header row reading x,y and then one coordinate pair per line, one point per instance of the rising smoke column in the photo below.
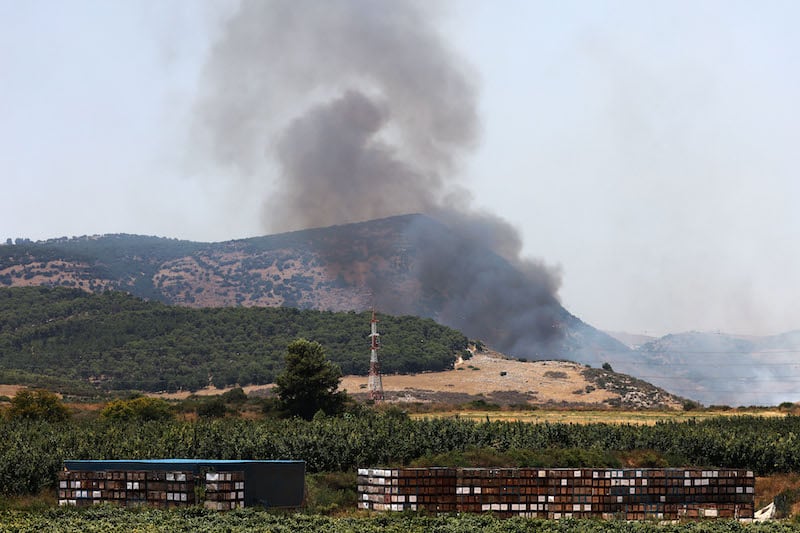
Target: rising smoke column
x,y
340,93
335,170
357,109
499,296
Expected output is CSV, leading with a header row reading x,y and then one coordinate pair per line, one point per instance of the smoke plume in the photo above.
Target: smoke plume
x,y
356,110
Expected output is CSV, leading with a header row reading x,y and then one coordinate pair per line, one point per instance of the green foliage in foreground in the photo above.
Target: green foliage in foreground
x,y
109,519
53,337
33,451
523,458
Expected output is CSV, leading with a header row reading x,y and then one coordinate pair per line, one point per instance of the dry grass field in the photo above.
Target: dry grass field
x,y
579,416
496,379
10,390
487,373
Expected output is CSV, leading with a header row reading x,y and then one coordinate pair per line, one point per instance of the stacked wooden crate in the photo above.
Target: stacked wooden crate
x,y
135,488
173,489
525,492
224,490
428,489
127,488
630,494
115,485
81,489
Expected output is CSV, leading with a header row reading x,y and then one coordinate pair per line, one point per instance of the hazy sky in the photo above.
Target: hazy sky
x,y
648,149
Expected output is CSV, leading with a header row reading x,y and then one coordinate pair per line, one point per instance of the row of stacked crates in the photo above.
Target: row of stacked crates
x,y
628,494
151,488
224,490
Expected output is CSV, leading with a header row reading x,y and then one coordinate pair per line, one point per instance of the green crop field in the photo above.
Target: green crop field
x,y
109,519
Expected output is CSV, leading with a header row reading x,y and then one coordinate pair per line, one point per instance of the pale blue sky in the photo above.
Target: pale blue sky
x,y
649,149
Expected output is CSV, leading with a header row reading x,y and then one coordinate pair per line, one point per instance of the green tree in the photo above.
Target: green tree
x,y
37,405
309,382
235,396
141,408
212,408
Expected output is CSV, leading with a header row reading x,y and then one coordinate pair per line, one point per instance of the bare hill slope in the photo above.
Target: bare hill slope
x,y
497,379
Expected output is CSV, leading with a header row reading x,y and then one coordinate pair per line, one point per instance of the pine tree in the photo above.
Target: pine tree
x,y
310,381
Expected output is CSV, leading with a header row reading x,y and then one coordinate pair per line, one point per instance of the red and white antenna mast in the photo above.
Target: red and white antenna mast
x,y
375,383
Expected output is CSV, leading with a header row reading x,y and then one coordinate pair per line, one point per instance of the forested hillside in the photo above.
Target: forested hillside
x,y
63,337
404,265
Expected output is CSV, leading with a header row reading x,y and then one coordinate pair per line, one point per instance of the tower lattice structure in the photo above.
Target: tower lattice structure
x,y
375,383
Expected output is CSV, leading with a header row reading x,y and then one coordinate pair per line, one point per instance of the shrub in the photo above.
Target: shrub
x,y
784,502
482,405
330,492
235,396
720,407
213,408
691,405
37,405
142,408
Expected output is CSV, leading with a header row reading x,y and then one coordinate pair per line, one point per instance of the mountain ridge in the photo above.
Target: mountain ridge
x,y
344,267
719,368
382,264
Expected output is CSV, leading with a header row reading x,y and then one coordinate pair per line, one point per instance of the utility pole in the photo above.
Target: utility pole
x,y
375,382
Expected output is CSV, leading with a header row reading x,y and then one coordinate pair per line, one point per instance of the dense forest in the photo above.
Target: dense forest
x,y
66,339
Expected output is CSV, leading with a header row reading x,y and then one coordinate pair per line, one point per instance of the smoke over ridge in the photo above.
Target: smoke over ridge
x,y
358,110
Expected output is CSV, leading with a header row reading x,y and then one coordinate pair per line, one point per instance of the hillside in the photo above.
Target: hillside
x,y
631,340
404,265
496,379
70,340
67,338
717,368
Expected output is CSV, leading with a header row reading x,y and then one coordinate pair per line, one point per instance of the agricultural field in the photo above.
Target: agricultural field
x,y
33,451
109,520
334,447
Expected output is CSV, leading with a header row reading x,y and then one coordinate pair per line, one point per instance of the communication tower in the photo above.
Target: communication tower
x,y
375,383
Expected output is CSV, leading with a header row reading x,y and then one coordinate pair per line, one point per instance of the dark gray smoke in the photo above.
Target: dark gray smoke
x,y
507,301
367,113
336,171
339,92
